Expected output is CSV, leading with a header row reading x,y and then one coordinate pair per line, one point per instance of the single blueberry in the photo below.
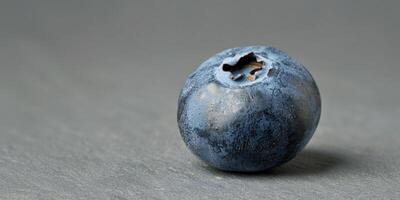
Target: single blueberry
x,y
248,109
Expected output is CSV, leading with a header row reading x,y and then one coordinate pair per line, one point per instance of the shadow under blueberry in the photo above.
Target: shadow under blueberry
x,y
306,163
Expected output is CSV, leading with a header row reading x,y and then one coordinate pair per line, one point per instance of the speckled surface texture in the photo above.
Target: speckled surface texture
x,y
248,125
88,97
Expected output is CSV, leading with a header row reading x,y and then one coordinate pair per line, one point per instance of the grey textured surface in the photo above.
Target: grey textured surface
x,y
88,94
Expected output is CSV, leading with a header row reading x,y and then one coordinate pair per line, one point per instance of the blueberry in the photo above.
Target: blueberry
x,y
248,109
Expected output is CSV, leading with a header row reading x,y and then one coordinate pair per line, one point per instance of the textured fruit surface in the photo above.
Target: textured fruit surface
x,y
248,109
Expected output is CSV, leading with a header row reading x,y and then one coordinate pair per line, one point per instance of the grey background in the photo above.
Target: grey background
x,y
88,96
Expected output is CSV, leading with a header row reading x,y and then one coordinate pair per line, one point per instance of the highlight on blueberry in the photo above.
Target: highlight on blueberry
x,y
248,109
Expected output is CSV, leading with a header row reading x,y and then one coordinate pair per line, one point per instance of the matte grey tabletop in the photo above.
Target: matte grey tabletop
x,y
88,97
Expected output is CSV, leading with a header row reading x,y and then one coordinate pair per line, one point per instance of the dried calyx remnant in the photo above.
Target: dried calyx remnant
x,y
246,67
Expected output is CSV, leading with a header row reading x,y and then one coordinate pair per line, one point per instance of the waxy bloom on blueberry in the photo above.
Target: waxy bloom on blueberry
x,y
248,109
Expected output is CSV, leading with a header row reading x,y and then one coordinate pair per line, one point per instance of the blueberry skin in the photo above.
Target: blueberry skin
x,y
248,125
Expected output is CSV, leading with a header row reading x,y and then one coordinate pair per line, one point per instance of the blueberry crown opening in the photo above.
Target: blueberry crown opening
x,y
246,66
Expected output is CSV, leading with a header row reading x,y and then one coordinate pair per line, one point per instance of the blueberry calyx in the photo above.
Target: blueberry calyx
x,y
247,66
242,70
